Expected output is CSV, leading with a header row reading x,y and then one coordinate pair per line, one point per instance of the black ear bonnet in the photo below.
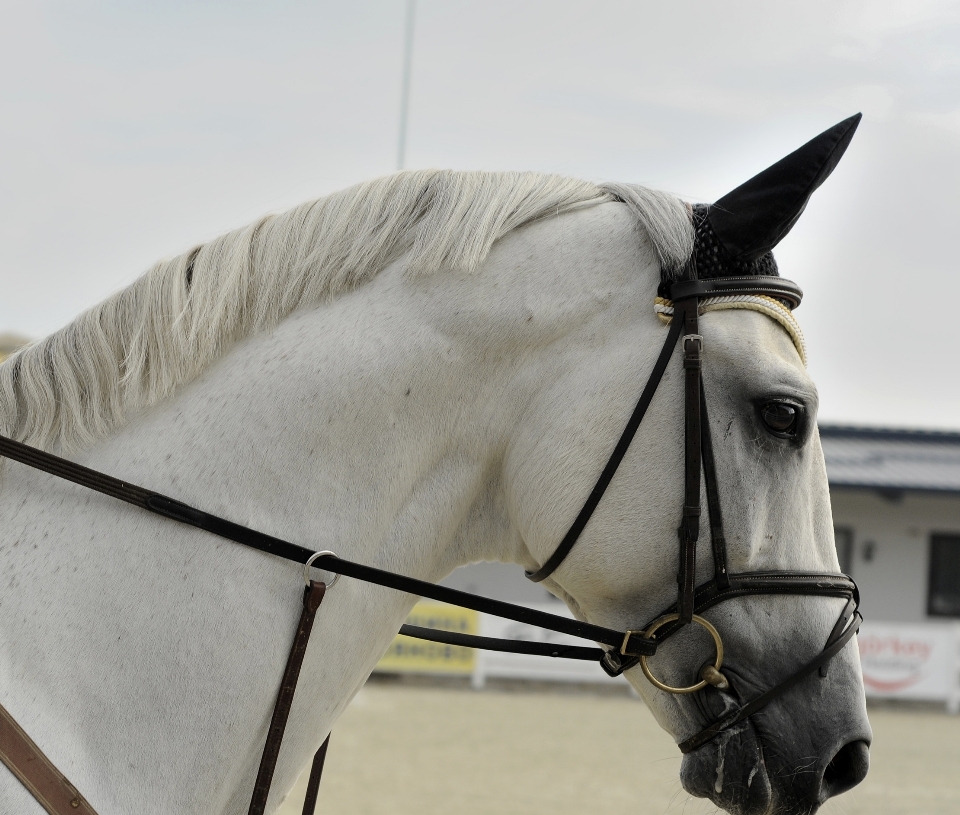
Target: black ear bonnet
x,y
735,235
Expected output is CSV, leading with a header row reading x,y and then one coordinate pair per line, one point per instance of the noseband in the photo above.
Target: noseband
x,y
624,650
693,600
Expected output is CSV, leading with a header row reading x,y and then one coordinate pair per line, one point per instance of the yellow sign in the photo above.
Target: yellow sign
x,y
411,655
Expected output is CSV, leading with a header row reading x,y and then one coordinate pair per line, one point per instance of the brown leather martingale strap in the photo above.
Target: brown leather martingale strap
x,y
313,783
36,772
59,797
312,598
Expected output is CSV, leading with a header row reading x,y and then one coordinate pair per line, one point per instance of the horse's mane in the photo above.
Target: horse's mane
x,y
136,347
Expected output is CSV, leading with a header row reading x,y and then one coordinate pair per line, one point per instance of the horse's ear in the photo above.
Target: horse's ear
x,y
753,218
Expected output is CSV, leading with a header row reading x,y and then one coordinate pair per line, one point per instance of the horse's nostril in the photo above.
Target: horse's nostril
x,y
846,769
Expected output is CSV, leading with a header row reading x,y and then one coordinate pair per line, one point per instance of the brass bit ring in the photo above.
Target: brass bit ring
x,y
669,618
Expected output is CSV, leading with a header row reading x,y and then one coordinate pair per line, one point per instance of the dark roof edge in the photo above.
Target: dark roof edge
x,y
851,485
839,431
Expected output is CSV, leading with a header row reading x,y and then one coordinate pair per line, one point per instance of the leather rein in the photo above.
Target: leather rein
x,y
624,648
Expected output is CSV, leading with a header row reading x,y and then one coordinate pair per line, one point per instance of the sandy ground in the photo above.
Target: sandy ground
x,y
408,749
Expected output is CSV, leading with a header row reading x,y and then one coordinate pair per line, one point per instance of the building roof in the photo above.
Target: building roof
x,y
889,459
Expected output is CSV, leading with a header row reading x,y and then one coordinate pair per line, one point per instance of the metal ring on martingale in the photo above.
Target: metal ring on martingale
x,y
669,618
309,563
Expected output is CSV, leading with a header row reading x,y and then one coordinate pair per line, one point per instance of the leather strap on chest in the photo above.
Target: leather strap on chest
x,y
312,597
36,772
58,796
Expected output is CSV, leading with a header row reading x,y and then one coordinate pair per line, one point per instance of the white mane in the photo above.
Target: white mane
x,y
136,347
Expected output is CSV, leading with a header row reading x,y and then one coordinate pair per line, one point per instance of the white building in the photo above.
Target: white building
x,y
896,509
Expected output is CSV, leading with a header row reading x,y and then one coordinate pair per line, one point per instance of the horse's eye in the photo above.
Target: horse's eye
x,y
780,418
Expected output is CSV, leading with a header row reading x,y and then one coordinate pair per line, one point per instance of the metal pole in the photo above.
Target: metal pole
x,y
405,88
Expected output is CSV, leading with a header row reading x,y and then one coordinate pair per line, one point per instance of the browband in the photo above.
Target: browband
x,y
777,287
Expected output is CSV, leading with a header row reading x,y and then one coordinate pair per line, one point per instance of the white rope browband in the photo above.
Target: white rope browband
x,y
751,302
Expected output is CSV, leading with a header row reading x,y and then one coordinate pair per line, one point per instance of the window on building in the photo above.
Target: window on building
x,y
943,599
843,535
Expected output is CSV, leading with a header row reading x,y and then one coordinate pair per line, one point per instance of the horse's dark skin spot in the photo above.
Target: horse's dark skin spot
x,y
726,434
408,392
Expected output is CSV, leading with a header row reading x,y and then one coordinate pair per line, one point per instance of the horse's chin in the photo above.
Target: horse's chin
x,y
730,771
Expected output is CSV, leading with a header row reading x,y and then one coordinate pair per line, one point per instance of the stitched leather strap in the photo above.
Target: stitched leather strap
x,y
313,784
36,772
746,584
312,597
777,287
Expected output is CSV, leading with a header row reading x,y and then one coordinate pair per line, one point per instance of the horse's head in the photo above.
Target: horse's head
x,y
809,740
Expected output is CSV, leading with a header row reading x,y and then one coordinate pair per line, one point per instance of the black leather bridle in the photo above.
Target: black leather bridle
x,y
624,648
692,600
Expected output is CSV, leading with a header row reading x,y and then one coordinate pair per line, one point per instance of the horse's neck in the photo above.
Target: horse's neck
x,y
375,426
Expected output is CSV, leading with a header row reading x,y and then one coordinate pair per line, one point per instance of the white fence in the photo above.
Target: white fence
x,y
900,660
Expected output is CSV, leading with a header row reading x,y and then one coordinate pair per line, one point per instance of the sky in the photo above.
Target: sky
x,y
131,131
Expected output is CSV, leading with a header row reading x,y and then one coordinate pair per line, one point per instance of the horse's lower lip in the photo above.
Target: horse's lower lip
x,y
730,772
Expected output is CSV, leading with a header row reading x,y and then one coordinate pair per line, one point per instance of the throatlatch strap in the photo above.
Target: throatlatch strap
x,y
615,458
312,597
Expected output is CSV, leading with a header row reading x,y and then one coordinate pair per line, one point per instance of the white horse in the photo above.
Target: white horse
x,y
419,372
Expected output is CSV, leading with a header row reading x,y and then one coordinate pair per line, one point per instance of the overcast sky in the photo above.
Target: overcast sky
x,y
131,131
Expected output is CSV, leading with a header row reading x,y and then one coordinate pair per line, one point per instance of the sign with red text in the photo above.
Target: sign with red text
x,y
911,661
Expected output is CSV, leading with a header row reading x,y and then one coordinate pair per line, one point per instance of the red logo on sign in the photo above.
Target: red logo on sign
x,y
900,659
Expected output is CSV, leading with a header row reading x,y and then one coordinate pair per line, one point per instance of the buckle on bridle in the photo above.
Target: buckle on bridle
x,y
692,348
